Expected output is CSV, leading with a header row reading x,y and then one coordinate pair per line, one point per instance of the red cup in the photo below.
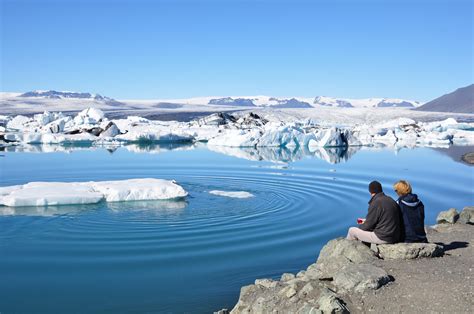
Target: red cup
x,y
360,221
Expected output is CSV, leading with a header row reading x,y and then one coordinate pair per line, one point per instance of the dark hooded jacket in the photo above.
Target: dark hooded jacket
x,y
384,219
413,212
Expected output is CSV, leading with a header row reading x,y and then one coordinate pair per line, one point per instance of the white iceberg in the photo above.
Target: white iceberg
x,y
64,193
236,130
233,194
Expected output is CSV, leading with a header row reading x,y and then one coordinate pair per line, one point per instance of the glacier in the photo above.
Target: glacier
x,y
244,129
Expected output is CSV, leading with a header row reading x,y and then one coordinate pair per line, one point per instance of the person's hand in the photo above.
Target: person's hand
x,y
360,221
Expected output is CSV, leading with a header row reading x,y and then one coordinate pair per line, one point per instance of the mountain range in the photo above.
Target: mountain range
x,y
458,101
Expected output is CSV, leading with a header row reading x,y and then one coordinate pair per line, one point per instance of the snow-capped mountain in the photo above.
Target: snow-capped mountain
x,y
260,101
298,102
52,94
364,102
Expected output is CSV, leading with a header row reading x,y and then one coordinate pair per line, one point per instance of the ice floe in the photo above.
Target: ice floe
x,y
64,193
233,194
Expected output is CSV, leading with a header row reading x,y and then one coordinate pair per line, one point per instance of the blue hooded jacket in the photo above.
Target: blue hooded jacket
x,y
413,212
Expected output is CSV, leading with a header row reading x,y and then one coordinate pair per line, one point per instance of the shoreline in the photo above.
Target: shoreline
x,y
348,277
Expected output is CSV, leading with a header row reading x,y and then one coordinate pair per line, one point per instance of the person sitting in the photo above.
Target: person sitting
x,y
413,212
383,223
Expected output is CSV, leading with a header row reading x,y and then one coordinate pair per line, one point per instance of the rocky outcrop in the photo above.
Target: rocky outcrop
x,y
338,253
343,270
449,216
296,296
409,250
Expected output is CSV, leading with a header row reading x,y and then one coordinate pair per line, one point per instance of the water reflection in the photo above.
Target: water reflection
x,y
157,207
332,155
46,211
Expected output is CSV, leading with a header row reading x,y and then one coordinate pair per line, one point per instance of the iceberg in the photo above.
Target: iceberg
x,y
66,193
233,194
246,129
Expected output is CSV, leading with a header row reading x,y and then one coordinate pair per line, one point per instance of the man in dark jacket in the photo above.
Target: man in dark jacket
x,y
383,223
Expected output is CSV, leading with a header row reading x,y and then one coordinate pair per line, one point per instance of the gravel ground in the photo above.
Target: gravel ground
x,y
442,285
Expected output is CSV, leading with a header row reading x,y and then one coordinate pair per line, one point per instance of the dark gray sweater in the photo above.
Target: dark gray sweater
x,y
384,219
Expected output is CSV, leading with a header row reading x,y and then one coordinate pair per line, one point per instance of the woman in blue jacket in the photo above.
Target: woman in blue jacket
x,y
413,212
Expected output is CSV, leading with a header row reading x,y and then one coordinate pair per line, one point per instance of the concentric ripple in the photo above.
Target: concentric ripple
x,y
191,255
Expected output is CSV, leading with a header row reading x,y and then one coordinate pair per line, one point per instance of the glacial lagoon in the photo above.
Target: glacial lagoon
x,y
193,255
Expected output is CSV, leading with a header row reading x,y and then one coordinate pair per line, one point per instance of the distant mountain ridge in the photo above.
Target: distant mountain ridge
x,y
299,102
459,101
232,101
52,94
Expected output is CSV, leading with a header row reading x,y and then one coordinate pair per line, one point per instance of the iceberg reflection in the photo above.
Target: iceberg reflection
x,y
46,211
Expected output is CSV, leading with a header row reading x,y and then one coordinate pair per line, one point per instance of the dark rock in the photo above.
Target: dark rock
x,y
94,131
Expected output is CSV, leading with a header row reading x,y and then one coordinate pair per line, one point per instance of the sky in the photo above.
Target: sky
x,y
139,49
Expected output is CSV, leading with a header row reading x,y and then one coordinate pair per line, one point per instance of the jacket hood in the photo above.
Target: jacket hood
x,y
410,200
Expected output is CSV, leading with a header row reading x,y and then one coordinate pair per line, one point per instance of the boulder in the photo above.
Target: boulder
x,y
449,216
468,158
287,276
409,250
360,277
338,253
328,302
467,215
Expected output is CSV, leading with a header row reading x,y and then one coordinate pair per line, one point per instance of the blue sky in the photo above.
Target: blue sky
x,y
415,49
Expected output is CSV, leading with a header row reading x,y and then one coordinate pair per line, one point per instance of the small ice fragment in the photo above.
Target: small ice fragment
x,y
234,194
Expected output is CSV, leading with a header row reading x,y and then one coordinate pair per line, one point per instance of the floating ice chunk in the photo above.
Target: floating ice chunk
x,y
283,136
49,193
395,123
234,194
63,193
236,138
89,116
139,189
463,137
18,122
49,138
110,130
154,134
331,137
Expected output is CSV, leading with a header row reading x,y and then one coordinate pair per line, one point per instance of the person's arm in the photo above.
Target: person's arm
x,y
371,219
422,211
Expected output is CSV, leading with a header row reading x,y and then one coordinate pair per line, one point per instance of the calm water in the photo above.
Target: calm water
x,y
194,255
